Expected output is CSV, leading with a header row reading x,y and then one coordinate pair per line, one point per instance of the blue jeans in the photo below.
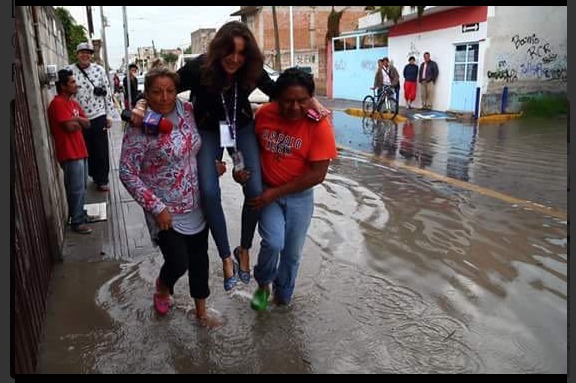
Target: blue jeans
x,y
283,227
75,181
209,183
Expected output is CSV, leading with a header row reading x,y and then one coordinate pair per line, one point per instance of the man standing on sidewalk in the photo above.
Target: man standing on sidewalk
x,y
67,121
427,77
95,98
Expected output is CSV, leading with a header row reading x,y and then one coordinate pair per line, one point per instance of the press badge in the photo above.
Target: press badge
x,y
238,160
227,135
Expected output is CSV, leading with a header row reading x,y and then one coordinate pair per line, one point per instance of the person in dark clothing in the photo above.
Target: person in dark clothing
x,y
410,81
134,92
427,77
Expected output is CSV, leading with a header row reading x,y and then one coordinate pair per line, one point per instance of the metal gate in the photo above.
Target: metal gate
x,y
30,261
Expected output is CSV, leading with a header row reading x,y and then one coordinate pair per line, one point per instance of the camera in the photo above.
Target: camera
x,y
100,91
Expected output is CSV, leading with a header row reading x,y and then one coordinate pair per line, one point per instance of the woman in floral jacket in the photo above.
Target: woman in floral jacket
x,y
159,170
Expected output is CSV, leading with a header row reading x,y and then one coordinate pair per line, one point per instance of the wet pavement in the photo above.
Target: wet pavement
x,y
401,273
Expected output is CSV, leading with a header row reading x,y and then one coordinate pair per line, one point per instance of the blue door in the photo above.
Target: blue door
x,y
465,78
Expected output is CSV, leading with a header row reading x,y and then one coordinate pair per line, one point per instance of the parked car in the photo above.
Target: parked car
x,y
259,97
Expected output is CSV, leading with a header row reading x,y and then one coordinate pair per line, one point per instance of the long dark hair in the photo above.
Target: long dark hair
x,y
222,44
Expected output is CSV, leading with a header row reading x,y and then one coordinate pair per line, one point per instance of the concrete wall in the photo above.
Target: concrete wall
x,y
441,45
526,52
200,39
48,37
353,72
310,27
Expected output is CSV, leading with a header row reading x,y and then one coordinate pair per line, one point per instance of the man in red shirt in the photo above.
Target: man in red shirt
x,y
295,152
67,120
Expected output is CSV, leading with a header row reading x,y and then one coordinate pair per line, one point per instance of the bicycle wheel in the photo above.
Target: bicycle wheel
x,y
368,105
388,107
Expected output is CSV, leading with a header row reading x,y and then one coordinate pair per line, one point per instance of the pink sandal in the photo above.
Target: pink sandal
x,y
161,301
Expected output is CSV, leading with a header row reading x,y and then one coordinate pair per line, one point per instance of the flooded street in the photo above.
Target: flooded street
x,y
401,273
523,158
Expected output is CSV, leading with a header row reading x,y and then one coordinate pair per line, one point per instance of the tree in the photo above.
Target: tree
x,y
169,58
188,51
394,12
334,23
74,33
277,58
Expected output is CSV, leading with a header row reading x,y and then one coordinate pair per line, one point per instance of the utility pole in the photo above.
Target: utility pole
x,y
90,22
291,37
104,25
127,59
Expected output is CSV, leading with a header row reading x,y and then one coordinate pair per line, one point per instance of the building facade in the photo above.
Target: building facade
x,y
484,54
310,28
200,39
526,52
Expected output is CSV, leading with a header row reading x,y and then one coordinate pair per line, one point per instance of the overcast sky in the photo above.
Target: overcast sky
x,y
169,26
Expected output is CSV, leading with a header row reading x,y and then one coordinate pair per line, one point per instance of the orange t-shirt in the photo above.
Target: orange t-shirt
x,y
287,147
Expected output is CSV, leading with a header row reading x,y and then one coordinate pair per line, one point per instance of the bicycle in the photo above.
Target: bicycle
x,y
384,102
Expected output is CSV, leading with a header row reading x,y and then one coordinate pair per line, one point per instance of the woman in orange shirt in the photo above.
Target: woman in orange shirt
x,y
295,152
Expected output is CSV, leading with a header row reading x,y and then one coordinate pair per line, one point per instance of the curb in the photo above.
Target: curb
x,y
378,116
499,117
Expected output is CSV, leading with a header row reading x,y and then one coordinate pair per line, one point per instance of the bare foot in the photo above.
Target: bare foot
x,y
209,321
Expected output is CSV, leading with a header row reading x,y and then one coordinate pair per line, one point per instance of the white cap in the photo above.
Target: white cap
x,y
84,47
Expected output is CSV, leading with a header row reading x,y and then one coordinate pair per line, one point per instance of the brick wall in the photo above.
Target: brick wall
x,y
310,27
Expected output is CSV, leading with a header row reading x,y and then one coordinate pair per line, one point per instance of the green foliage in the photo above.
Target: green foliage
x,y
74,33
391,12
334,23
394,12
188,51
170,57
545,106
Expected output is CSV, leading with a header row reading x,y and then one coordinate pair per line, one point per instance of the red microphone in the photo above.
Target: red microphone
x,y
165,126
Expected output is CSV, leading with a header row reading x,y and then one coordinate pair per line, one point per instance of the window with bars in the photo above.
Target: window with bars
x,y
466,62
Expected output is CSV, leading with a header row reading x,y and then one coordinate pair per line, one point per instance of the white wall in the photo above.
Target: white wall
x,y
441,45
527,49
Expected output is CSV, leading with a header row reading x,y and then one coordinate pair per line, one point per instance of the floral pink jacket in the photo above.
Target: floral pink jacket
x,y
161,172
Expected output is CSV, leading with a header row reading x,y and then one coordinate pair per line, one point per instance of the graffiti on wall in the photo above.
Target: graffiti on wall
x,y
536,59
340,65
305,59
369,65
413,51
503,73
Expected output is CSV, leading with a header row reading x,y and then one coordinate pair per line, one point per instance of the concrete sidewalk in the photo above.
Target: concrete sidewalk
x,y
124,235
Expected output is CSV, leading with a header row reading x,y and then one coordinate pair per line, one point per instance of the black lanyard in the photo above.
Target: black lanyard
x,y
231,121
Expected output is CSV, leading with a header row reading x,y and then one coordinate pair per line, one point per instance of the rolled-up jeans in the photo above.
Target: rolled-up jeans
x,y
75,181
283,227
210,193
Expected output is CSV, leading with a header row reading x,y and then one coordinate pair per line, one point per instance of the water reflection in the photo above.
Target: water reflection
x,y
526,159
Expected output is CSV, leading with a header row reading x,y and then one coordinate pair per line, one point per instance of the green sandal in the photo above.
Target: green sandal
x,y
259,301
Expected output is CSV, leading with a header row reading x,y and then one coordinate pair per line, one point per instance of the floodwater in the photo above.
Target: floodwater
x,y
524,158
400,274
